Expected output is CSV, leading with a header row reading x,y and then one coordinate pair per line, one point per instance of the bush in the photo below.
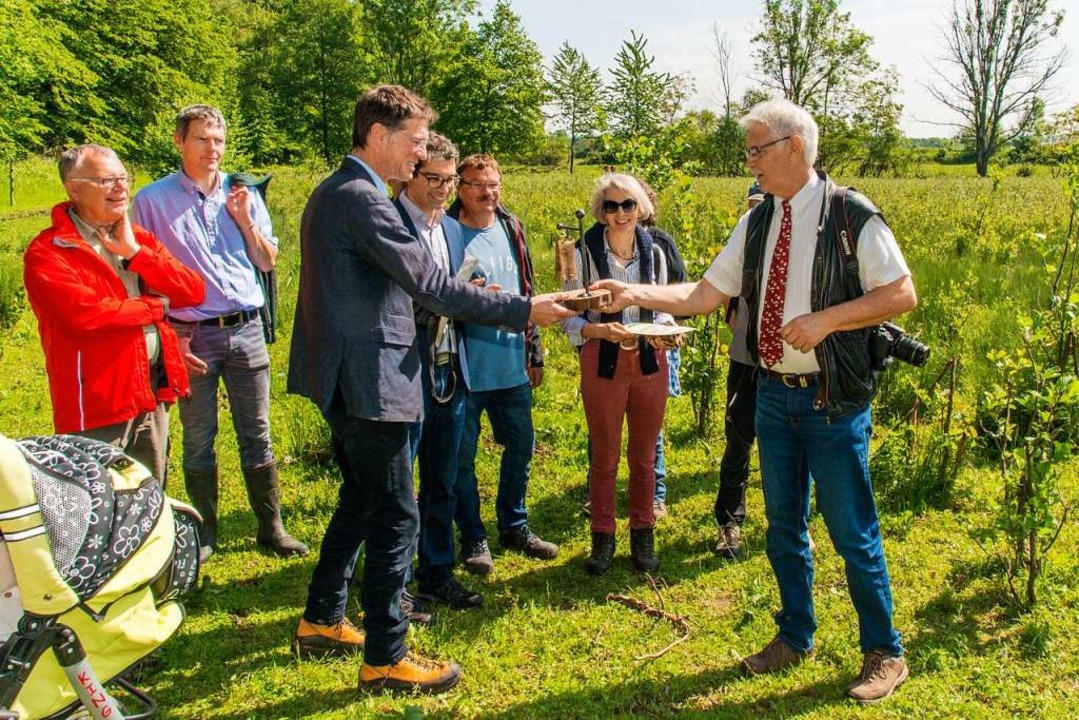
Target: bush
x,y
11,290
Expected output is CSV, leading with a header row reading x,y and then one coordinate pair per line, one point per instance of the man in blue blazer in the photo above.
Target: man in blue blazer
x,y
354,354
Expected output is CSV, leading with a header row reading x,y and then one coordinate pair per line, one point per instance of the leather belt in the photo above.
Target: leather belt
x,y
794,380
224,321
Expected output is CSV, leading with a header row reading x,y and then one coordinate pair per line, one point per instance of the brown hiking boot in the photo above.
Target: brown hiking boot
x,y
776,655
313,640
729,545
411,673
476,557
522,539
659,509
881,675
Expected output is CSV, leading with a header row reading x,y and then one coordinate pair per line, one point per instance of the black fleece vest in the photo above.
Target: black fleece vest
x,y
608,351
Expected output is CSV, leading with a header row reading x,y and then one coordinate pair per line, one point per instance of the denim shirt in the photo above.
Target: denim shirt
x,y
198,230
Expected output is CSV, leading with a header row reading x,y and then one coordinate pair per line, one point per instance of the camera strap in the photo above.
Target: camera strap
x,y
846,240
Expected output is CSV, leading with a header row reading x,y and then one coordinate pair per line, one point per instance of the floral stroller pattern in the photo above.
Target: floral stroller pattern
x,y
93,557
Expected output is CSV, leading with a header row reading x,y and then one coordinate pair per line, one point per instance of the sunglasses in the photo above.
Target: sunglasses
x,y
610,207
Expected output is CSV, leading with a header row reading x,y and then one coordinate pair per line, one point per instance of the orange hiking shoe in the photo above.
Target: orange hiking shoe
x,y
312,640
411,673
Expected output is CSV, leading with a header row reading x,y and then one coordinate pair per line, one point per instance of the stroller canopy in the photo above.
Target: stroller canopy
x,y
89,540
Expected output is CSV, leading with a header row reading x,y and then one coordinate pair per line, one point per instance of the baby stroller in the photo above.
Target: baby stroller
x,y
93,557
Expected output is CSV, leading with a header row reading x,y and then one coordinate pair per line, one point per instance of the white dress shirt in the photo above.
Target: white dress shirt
x,y
880,262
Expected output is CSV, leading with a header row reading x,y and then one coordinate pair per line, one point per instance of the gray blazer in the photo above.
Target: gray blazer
x,y
354,335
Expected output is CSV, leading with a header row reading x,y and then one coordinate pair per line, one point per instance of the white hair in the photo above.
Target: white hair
x,y
72,159
628,185
783,117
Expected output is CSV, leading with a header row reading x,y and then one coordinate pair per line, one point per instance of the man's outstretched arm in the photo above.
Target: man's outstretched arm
x,y
699,298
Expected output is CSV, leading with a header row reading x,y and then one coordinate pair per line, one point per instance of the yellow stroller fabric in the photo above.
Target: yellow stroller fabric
x,y
94,544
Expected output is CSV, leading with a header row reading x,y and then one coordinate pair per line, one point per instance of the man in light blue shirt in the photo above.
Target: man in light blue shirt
x,y
503,367
223,233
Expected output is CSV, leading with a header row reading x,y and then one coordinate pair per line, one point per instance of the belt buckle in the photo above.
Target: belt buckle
x,y
791,380
229,320
628,344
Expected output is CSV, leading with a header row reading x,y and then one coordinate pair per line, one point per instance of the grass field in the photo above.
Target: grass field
x,y
547,644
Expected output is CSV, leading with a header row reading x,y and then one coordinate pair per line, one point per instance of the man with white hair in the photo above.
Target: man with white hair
x,y
816,267
101,289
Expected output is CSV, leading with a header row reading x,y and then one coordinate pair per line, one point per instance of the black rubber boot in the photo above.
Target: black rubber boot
x,y
263,492
602,553
642,549
202,490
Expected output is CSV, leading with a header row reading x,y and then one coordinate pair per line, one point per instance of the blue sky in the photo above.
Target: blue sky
x,y
905,32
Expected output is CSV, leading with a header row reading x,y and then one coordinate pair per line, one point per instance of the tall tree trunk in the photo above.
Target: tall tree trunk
x,y
572,141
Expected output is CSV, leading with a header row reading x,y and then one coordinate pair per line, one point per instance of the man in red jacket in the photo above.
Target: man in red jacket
x,y
101,289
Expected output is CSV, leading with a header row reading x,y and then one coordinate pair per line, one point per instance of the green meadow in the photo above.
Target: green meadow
x,y
547,643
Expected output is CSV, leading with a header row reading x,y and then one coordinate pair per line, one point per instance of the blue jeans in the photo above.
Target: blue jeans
x,y
661,470
438,448
238,356
374,505
795,440
510,413
674,389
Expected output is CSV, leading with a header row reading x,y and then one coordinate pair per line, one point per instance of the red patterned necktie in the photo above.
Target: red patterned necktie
x,y
775,294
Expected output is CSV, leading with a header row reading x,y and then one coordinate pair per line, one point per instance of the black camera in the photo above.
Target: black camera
x,y
888,341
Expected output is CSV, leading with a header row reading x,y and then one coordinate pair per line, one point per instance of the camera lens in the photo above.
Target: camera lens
x,y
910,351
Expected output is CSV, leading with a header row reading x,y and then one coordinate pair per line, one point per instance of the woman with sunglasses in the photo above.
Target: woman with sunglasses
x,y
623,376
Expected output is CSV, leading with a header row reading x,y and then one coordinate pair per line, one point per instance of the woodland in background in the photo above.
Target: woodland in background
x,y
287,73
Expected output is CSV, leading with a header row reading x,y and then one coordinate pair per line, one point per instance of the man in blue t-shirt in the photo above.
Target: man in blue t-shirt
x,y
503,367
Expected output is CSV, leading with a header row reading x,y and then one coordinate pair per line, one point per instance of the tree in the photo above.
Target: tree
x,y
435,31
32,54
721,53
315,66
636,96
575,89
811,52
143,56
492,99
806,49
678,90
1000,53
728,138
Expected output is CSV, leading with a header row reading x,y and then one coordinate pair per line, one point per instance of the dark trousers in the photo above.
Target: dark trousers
x,y
740,433
440,443
375,505
144,437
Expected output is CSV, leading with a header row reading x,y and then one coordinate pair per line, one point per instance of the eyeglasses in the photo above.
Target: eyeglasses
x,y
754,151
491,186
610,207
108,182
417,142
434,180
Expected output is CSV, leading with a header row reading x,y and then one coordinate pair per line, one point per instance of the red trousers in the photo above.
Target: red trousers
x,y
641,401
